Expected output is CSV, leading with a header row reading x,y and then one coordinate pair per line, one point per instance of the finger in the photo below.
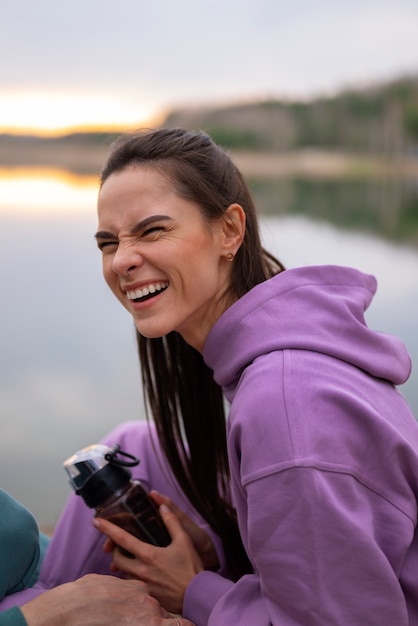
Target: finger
x,y
160,499
188,524
171,521
108,546
120,537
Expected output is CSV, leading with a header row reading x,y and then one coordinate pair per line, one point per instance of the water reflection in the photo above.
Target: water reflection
x,y
45,190
385,207
68,364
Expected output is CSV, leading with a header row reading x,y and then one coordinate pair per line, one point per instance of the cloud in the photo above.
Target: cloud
x,y
163,52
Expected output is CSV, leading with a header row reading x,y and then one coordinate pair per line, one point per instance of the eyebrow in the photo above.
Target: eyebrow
x,y
137,228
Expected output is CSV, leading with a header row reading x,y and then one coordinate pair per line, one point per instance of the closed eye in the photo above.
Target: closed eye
x,y
152,231
102,245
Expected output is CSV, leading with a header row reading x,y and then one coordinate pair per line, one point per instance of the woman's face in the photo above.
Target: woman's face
x,y
162,259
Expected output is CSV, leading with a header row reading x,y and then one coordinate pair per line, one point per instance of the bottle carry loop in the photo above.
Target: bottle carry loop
x,y
113,453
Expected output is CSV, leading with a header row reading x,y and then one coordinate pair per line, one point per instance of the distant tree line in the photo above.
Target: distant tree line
x,y
376,120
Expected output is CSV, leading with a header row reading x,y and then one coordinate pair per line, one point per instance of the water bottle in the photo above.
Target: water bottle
x,y
101,477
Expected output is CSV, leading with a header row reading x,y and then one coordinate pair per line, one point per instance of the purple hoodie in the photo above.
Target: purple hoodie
x,y
323,452
324,461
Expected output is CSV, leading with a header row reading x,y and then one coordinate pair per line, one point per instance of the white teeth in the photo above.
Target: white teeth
x,y
145,291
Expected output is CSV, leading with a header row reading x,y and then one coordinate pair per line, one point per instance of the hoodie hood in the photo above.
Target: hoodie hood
x,y
320,309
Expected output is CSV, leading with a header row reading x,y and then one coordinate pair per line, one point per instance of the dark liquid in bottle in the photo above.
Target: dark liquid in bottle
x,y
136,513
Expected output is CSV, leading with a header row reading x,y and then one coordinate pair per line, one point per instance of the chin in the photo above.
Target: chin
x,y
150,333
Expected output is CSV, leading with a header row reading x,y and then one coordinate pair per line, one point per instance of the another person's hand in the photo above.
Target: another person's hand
x,y
166,571
98,601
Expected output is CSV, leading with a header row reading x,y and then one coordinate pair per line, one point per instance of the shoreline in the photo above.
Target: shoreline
x,y
86,159
315,163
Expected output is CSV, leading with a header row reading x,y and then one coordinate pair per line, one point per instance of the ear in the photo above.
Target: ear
x,y
233,229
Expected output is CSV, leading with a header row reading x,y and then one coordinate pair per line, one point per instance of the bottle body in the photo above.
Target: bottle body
x,y
132,509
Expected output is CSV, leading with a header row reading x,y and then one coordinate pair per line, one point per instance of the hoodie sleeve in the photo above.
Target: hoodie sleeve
x,y
313,540
216,601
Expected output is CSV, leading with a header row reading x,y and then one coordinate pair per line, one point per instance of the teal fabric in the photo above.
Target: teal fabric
x,y
43,544
19,546
12,617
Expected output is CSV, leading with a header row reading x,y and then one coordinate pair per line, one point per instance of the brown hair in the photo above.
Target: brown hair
x,y
185,401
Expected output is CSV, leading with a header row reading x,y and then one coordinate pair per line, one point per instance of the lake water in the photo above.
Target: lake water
x,y
68,363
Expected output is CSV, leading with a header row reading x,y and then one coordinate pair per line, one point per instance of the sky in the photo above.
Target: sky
x,y
88,62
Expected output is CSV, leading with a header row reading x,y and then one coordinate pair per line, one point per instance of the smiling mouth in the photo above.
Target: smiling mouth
x,y
146,293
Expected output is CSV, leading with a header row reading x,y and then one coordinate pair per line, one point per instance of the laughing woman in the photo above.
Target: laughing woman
x,y
300,507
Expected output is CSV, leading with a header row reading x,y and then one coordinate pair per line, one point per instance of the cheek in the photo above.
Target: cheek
x,y
108,273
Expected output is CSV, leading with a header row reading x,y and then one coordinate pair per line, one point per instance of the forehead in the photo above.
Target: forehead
x,y
134,188
134,179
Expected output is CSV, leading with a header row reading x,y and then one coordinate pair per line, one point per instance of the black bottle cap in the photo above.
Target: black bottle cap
x,y
102,484
97,471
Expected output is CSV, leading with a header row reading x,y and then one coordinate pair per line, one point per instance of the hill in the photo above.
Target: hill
x,y
382,119
366,128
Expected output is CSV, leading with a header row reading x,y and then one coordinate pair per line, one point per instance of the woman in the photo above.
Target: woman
x,y
302,508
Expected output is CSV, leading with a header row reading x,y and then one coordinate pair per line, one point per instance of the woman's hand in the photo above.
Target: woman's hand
x,y
200,538
166,571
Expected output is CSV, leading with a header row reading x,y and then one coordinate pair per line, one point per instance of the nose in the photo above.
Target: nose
x,y
126,259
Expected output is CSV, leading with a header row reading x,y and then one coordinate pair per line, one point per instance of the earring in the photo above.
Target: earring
x,y
229,257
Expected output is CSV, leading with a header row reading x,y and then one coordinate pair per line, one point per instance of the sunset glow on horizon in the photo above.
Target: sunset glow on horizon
x,y
54,113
